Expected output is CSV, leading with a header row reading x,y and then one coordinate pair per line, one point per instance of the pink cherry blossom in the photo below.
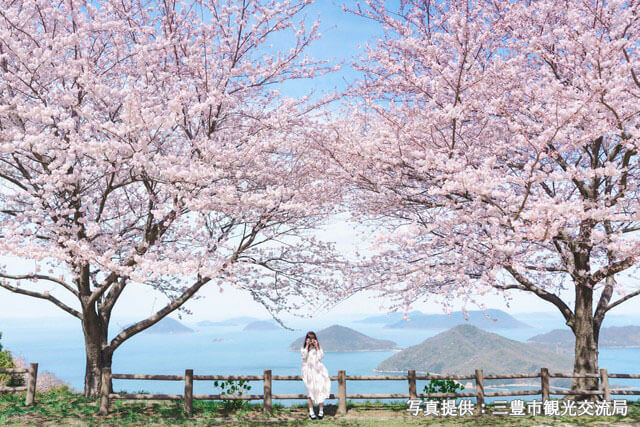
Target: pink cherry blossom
x,y
498,142
146,142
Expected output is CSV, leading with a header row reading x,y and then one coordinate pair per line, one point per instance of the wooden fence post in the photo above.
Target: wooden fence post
x,y
604,378
412,384
480,391
188,391
267,392
544,382
104,391
31,384
342,392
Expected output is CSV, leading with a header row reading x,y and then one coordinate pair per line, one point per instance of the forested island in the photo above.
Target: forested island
x,y
465,348
563,340
168,326
389,318
234,321
262,325
488,319
337,338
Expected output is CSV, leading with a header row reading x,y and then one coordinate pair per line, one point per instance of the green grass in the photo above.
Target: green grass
x,y
62,407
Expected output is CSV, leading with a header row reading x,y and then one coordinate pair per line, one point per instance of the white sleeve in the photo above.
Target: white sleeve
x,y
305,353
320,353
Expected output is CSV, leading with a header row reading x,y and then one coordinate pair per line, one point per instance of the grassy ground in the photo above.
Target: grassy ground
x,y
60,407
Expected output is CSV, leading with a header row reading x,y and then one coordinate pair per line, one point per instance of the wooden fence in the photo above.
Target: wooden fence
x,y
31,375
267,378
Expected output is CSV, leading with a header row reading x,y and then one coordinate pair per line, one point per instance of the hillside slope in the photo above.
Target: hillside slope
x,y
342,339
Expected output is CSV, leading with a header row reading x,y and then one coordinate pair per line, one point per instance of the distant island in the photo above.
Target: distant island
x,y
388,318
338,338
465,348
488,319
234,321
168,326
262,325
563,340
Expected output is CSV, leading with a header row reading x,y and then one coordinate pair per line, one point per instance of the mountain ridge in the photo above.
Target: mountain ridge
x,y
234,321
261,325
465,348
338,338
490,318
167,325
611,337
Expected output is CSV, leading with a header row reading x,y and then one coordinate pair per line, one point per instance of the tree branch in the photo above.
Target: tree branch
x,y
40,277
102,289
526,285
113,295
45,295
611,270
623,299
151,320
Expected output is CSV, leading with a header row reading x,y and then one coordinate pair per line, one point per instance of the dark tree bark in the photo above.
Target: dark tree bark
x,y
586,346
98,355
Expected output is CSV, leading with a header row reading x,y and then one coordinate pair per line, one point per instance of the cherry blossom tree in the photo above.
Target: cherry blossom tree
x,y
497,142
145,142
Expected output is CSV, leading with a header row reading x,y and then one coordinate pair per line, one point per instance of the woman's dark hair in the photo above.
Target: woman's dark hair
x,y
310,334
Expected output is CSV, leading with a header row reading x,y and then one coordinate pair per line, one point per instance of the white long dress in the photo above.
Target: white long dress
x,y
315,375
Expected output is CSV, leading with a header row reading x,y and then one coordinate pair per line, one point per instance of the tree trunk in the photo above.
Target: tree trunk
x,y
97,356
586,348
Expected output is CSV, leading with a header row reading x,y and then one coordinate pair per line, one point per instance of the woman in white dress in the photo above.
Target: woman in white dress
x,y
314,374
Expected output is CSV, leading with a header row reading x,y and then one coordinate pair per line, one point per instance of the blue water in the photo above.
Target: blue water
x,y
57,345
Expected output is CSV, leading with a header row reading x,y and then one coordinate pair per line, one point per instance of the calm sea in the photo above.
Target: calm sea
x,y
57,345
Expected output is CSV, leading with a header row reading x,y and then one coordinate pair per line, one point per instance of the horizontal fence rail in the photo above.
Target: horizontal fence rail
x,y
267,378
31,376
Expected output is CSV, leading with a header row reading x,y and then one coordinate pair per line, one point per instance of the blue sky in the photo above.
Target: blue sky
x,y
343,37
